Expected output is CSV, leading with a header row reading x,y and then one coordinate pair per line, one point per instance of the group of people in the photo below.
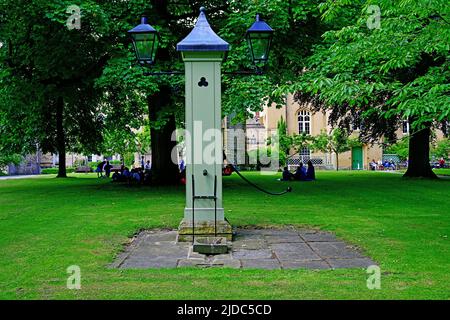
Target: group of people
x,y
124,174
301,174
135,175
104,166
380,165
138,175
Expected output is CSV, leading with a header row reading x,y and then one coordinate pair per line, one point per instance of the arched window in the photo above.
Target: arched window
x,y
304,122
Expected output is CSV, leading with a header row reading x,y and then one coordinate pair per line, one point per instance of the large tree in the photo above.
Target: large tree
x,y
230,19
49,64
59,67
376,75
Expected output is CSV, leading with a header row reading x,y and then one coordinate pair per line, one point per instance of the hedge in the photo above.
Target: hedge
x,y
55,170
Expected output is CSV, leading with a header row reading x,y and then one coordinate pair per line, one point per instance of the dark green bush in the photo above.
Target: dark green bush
x,y
55,170
94,165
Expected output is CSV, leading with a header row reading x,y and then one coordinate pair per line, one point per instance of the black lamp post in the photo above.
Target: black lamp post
x,y
259,38
145,42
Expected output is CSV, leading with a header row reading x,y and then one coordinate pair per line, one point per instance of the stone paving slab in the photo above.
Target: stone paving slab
x,y
305,264
267,264
294,251
283,239
350,263
318,237
230,263
337,250
253,254
251,244
267,249
147,263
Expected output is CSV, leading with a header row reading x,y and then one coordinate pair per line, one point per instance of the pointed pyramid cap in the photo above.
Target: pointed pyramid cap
x,y
203,38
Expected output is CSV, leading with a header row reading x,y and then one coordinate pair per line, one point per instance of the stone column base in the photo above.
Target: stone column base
x,y
204,229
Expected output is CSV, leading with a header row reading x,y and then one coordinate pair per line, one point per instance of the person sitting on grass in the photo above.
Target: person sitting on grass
x,y
392,164
126,173
287,175
116,177
300,173
373,165
147,178
136,175
311,172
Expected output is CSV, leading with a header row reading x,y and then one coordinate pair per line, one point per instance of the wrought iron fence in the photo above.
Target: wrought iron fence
x,y
317,161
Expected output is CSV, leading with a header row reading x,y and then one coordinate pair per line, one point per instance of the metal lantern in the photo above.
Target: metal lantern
x,y
145,42
259,39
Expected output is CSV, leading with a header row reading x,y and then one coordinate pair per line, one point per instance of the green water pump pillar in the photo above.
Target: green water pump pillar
x,y
203,52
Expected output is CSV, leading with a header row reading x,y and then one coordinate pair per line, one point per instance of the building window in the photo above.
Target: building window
x,y
304,122
252,140
305,152
405,126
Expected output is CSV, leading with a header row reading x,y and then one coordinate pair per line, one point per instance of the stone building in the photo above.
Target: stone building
x,y
300,119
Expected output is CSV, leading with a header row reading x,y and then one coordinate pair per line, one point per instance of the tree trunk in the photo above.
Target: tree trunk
x,y
164,170
419,155
60,138
337,161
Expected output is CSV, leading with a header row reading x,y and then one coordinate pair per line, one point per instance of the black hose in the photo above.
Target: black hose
x,y
289,189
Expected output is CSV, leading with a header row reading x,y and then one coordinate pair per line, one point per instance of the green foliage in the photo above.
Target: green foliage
x,y
441,149
302,140
284,141
55,170
42,60
10,159
119,142
337,141
94,165
400,148
380,76
243,94
106,95
262,154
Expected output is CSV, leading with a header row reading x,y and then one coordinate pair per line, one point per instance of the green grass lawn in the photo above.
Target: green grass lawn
x,y
443,172
48,224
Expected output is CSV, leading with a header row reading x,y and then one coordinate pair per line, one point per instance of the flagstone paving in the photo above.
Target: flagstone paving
x,y
269,249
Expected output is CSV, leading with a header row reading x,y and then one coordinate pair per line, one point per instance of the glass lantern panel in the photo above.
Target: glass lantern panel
x,y
259,45
145,46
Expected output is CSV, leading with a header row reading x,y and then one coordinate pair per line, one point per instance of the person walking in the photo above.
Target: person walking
x,y
99,169
107,169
